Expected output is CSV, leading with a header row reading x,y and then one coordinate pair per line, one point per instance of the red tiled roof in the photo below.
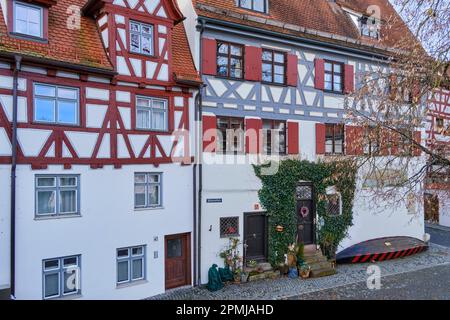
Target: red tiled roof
x,y
81,47
316,15
84,47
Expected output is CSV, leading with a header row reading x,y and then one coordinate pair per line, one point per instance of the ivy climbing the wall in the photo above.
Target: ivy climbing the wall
x,y
277,196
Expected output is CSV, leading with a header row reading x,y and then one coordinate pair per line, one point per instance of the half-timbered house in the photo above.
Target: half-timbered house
x,y
284,68
96,100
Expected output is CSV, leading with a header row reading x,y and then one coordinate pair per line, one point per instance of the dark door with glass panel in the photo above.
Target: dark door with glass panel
x,y
255,236
177,260
305,213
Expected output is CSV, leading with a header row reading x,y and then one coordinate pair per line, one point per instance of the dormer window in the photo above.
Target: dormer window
x,y
28,19
255,5
141,38
370,27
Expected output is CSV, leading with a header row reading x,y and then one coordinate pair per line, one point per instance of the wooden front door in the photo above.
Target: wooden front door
x,y
431,207
305,213
178,260
255,236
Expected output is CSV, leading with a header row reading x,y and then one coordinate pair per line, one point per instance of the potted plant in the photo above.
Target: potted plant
x,y
292,255
304,271
284,268
252,263
237,275
244,277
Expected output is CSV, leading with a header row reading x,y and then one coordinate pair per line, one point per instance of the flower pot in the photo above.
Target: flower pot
x,y
293,273
244,277
305,274
291,260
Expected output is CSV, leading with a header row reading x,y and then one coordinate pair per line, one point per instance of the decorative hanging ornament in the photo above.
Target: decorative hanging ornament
x,y
304,211
279,228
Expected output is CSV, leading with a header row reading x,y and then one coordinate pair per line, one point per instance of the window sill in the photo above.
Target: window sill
x,y
148,209
274,84
69,297
60,216
339,93
131,284
230,78
27,37
44,123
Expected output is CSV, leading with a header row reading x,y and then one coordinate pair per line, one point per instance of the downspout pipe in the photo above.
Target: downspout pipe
x,y
18,61
199,115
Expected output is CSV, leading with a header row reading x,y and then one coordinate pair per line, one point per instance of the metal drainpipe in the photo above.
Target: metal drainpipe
x,y
200,156
18,60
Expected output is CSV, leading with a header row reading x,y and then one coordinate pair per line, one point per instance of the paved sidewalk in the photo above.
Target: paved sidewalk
x,y
439,234
284,288
437,227
425,284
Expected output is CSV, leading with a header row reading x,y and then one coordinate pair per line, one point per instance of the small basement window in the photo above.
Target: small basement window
x,y
229,227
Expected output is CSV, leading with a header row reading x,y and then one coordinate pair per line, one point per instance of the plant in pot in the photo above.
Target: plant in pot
x,y
244,276
237,275
252,264
304,270
292,261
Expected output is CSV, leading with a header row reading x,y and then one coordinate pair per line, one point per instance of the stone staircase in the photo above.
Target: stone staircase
x,y
267,272
320,266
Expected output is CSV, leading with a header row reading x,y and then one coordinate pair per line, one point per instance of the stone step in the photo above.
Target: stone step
x,y
322,272
321,265
264,275
265,266
314,259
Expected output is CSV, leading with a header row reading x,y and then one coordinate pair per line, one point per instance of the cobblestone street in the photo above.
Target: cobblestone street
x,y
422,266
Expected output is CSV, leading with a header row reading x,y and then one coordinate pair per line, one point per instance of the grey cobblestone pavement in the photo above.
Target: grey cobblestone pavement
x,y
426,284
439,235
285,288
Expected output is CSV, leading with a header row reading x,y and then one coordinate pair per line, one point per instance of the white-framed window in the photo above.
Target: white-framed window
x,y
61,277
147,190
28,19
57,195
131,264
56,104
255,5
151,114
370,27
141,38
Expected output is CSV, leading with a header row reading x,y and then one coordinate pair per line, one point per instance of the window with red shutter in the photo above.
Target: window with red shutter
x,y
320,138
293,145
209,63
292,70
253,63
349,76
319,65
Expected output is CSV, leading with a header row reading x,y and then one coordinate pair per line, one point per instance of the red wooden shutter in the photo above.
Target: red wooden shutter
x,y
209,57
418,138
320,138
292,70
354,140
385,147
253,63
292,135
209,133
253,127
349,76
319,65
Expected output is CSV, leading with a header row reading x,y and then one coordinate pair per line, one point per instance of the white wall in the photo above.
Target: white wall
x,y
108,222
5,173
444,208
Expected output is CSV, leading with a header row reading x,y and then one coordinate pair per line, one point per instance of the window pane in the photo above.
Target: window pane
x,y
247,4
143,102
137,251
139,196
153,195
279,57
122,271
267,55
329,147
123,252
137,269
258,5
147,45
143,119
46,202
68,201
67,93
236,63
67,181
44,110
51,284
46,182
47,91
159,122
236,50
337,68
328,85
222,48
337,79
51,264
153,178
337,87
147,29
328,77
174,248
134,27
70,281
20,26
279,78
139,178
34,29
135,42
70,262
67,112
328,67
222,66
267,72
159,104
